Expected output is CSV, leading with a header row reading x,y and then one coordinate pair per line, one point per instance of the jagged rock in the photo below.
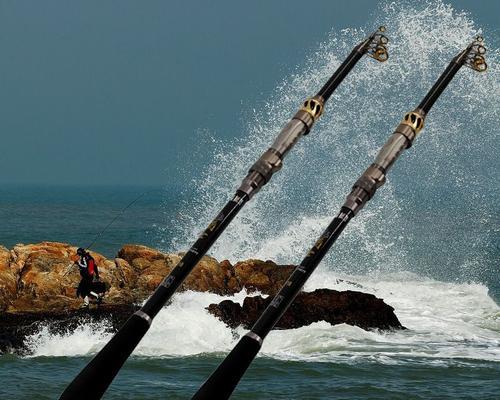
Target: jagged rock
x,y
208,276
46,279
7,280
264,276
152,266
14,328
38,283
350,307
40,277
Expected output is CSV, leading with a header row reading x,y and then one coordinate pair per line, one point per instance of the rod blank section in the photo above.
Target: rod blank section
x,y
221,384
94,379
438,88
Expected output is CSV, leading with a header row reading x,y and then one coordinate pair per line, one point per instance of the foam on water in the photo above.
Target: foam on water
x,y
430,232
451,321
86,339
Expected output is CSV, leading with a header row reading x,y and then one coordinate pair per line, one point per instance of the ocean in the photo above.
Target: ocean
x,y
428,243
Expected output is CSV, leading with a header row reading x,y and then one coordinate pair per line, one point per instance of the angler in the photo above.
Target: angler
x,y
95,378
90,285
226,377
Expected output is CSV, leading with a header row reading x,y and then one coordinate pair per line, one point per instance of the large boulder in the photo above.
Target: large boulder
x,y
43,277
263,276
46,278
208,276
349,307
152,266
8,282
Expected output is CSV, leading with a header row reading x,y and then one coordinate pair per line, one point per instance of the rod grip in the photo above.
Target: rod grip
x,y
221,384
94,379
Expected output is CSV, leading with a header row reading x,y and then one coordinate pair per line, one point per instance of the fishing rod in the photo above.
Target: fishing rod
x,y
221,384
118,215
95,378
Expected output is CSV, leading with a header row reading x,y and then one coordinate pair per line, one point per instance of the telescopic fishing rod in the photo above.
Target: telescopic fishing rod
x,y
95,378
226,377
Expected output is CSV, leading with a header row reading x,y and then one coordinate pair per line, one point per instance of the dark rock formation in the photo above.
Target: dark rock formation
x,y
349,307
14,328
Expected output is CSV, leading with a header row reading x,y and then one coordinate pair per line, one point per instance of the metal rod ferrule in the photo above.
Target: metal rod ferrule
x,y
272,160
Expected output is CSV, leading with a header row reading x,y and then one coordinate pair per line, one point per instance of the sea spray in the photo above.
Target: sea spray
x,y
436,216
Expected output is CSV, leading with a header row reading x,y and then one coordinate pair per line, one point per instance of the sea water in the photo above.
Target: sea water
x,y
428,243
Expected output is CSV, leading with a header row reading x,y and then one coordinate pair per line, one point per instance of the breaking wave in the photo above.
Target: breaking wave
x,y
452,321
427,244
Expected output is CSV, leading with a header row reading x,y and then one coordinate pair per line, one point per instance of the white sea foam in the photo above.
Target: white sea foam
x,y
436,217
444,321
85,339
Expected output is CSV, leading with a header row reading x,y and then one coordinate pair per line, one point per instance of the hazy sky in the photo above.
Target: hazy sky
x,y
114,92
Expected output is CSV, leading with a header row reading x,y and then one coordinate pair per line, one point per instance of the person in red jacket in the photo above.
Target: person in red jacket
x,y
90,283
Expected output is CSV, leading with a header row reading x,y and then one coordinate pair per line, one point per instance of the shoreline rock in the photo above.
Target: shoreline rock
x,y
16,327
347,307
39,277
38,286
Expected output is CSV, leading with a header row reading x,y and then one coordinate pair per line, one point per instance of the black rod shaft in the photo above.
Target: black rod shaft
x,y
226,377
438,88
94,379
223,381
339,75
375,45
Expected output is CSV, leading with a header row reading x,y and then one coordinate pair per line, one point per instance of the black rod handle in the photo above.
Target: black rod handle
x,y
94,379
221,384
224,380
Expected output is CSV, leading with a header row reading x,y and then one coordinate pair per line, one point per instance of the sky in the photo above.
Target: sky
x,y
119,92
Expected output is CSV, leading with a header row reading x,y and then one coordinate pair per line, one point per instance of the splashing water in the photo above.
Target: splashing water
x,y
438,212
466,325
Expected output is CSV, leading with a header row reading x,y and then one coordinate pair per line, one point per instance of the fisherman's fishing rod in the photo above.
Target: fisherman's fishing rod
x,y
226,377
118,215
95,378
99,234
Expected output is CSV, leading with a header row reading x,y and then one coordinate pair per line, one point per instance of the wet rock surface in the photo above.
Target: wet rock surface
x,y
347,307
38,287
42,278
16,327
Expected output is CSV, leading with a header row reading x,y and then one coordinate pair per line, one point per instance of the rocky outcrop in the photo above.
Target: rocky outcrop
x,y
349,307
40,277
38,286
7,280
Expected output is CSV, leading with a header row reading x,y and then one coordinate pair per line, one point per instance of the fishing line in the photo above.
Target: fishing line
x,y
118,215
